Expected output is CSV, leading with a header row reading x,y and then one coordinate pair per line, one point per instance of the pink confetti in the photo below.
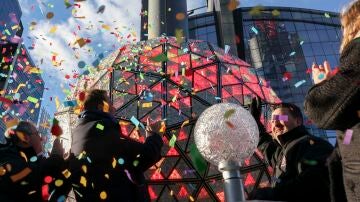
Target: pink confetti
x,y
348,136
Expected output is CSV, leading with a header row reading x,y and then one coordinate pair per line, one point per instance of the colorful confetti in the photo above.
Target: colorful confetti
x,y
348,136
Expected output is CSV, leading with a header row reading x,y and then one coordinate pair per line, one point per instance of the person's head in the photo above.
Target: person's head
x,y
26,137
350,22
98,100
284,118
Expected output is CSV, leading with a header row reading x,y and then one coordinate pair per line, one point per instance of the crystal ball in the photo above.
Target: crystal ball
x,y
226,132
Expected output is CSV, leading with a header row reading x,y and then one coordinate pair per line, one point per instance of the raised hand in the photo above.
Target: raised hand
x,y
321,72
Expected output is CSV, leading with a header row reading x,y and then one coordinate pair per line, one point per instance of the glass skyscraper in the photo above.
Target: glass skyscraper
x,y
281,43
10,24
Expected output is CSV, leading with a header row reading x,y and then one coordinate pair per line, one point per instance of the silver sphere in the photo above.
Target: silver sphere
x,y
226,132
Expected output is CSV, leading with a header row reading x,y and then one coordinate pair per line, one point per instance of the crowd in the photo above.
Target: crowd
x,y
102,164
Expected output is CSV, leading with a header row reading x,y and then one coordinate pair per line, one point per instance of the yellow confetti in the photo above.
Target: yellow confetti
x,y
84,168
106,107
59,183
66,173
191,198
124,123
57,102
146,104
185,122
83,181
53,29
19,86
114,163
106,27
22,154
107,176
103,195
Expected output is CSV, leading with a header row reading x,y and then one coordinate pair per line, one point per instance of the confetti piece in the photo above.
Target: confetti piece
x,y
81,64
49,15
254,30
32,99
70,103
48,179
121,161
310,162
84,168
106,107
327,15
184,123
33,159
88,159
146,105
136,163
229,113
101,9
292,53
231,125
113,163
301,43
53,29
99,126
299,83
66,173
348,136
107,176
198,161
180,16
136,122
172,141
83,181
103,195
227,48
59,183
276,13
160,58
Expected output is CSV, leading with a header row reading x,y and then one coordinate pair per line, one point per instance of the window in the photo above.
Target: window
x,y
313,36
299,26
317,48
309,26
323,35
307,49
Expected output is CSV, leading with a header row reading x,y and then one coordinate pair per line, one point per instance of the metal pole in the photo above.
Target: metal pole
x,y
233,186
155,18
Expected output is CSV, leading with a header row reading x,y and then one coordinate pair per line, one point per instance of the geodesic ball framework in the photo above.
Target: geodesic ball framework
x,y
173,82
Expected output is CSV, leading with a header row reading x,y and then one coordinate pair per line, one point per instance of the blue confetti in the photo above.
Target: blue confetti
x,y
299,83
254,30
292,53
121,161
33,159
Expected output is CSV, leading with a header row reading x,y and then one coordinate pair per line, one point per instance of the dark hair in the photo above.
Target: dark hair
x,y
293,109
25,127
94,98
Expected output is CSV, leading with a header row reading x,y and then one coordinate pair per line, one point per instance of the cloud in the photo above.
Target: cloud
x,y
119,17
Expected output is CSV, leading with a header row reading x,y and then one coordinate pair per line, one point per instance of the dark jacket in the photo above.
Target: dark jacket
x,y
22,179
298,161
114,165
335,104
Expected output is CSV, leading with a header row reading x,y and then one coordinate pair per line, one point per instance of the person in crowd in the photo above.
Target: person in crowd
x,y
107,165
23,165
297,158
333,103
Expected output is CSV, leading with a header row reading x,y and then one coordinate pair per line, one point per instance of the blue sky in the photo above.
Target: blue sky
x,y
106,31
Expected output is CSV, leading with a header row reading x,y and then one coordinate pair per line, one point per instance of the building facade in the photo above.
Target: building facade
x,y
10,23
281,43
25,88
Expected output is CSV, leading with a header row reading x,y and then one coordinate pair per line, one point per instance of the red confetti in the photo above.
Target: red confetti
x,y
48,179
